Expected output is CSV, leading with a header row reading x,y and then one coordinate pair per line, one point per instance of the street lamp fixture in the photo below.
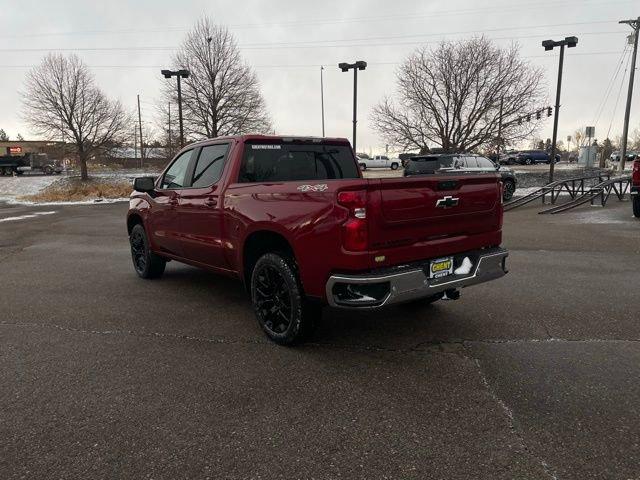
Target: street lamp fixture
x,y
550,45
345,67
179,74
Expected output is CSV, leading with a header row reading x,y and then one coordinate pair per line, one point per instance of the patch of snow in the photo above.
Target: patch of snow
x,y
24,217
24,185
97,201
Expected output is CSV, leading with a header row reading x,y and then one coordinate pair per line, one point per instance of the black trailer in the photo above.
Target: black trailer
x,y
18,164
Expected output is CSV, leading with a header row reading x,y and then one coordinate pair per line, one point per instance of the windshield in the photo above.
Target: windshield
x,y
292,162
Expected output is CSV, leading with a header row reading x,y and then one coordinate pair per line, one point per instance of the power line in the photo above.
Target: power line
x,y
609,88
615,107
316,21
299,65
264,46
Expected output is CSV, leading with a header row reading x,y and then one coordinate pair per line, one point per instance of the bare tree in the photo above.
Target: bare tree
x,y
61,98
222,94
450,96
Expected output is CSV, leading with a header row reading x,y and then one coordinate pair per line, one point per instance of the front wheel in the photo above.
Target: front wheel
x,y
146,263
47,170
508,190
394,166
528,161
363,167
278,300
636,206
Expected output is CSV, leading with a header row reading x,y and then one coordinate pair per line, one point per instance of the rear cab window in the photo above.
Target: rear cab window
x,y
296,161
431,164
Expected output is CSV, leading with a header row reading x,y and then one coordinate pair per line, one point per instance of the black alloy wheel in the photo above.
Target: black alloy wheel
x,y
146,263
273,299
279,303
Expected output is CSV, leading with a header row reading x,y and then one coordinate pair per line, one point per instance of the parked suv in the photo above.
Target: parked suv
x,y
293,219
429,164
528,157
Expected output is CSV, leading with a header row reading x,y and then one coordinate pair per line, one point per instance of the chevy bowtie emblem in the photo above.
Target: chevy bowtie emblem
x,y
447,202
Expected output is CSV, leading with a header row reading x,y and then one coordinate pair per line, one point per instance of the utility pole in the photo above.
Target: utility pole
x,y
170,154
135,142
140,125
499,131
635,24
322,97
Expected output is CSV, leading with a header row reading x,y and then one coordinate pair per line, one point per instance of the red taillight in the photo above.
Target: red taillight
x,y
355,232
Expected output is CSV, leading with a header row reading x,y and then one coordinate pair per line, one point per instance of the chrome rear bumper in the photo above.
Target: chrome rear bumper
x,y
410,282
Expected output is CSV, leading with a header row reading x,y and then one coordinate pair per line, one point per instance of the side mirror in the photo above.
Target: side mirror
x,y
144,184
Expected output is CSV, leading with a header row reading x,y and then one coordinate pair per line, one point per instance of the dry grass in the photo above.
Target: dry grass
x,y
70,190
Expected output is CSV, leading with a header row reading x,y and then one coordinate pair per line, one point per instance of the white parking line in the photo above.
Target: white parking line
x,y
24,217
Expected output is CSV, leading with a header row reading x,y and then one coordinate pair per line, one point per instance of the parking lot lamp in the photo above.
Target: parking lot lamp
x,y
345,67
550,45
179,74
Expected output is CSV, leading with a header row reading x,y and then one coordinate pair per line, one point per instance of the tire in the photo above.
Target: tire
x,y
636,206
528,161
281,308
394,166
508,190
47,170
363,167
147,264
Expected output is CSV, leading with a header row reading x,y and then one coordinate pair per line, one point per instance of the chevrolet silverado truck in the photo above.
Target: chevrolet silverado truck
x,y
294,220
635,188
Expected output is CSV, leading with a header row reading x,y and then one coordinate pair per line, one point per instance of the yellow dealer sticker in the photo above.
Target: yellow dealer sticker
x,y
441,267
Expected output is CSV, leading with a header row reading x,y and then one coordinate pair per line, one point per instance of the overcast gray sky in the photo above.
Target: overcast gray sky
x,y
287,40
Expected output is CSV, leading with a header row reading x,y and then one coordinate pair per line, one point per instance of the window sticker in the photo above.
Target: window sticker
x,y
265,147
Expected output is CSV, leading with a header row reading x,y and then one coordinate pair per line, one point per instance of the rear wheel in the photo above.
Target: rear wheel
x,y
146,263
278,300
636,206
508,190
47,170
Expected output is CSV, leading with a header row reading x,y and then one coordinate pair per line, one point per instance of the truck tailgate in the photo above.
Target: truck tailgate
x,y
414,218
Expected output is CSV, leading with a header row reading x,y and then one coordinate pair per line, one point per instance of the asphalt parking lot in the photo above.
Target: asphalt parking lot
x,y
104,375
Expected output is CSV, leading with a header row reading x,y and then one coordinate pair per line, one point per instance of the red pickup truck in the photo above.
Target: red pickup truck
x,y
294,220
635,188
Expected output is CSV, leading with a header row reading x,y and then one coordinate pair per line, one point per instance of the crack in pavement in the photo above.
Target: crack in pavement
x,y
444,346
512,421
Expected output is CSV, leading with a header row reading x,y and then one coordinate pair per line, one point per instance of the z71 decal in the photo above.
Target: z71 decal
x,y
321,187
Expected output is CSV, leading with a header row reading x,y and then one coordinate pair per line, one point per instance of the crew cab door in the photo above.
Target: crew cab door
x,y
164,215
200,208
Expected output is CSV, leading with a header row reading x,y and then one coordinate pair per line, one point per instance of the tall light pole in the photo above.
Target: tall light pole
x,y
550,45
635,24
179,74
345,67
322,97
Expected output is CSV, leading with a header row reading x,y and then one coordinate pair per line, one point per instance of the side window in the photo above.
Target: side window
x,y
459,163
175,177
210,164
471,162
485,163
